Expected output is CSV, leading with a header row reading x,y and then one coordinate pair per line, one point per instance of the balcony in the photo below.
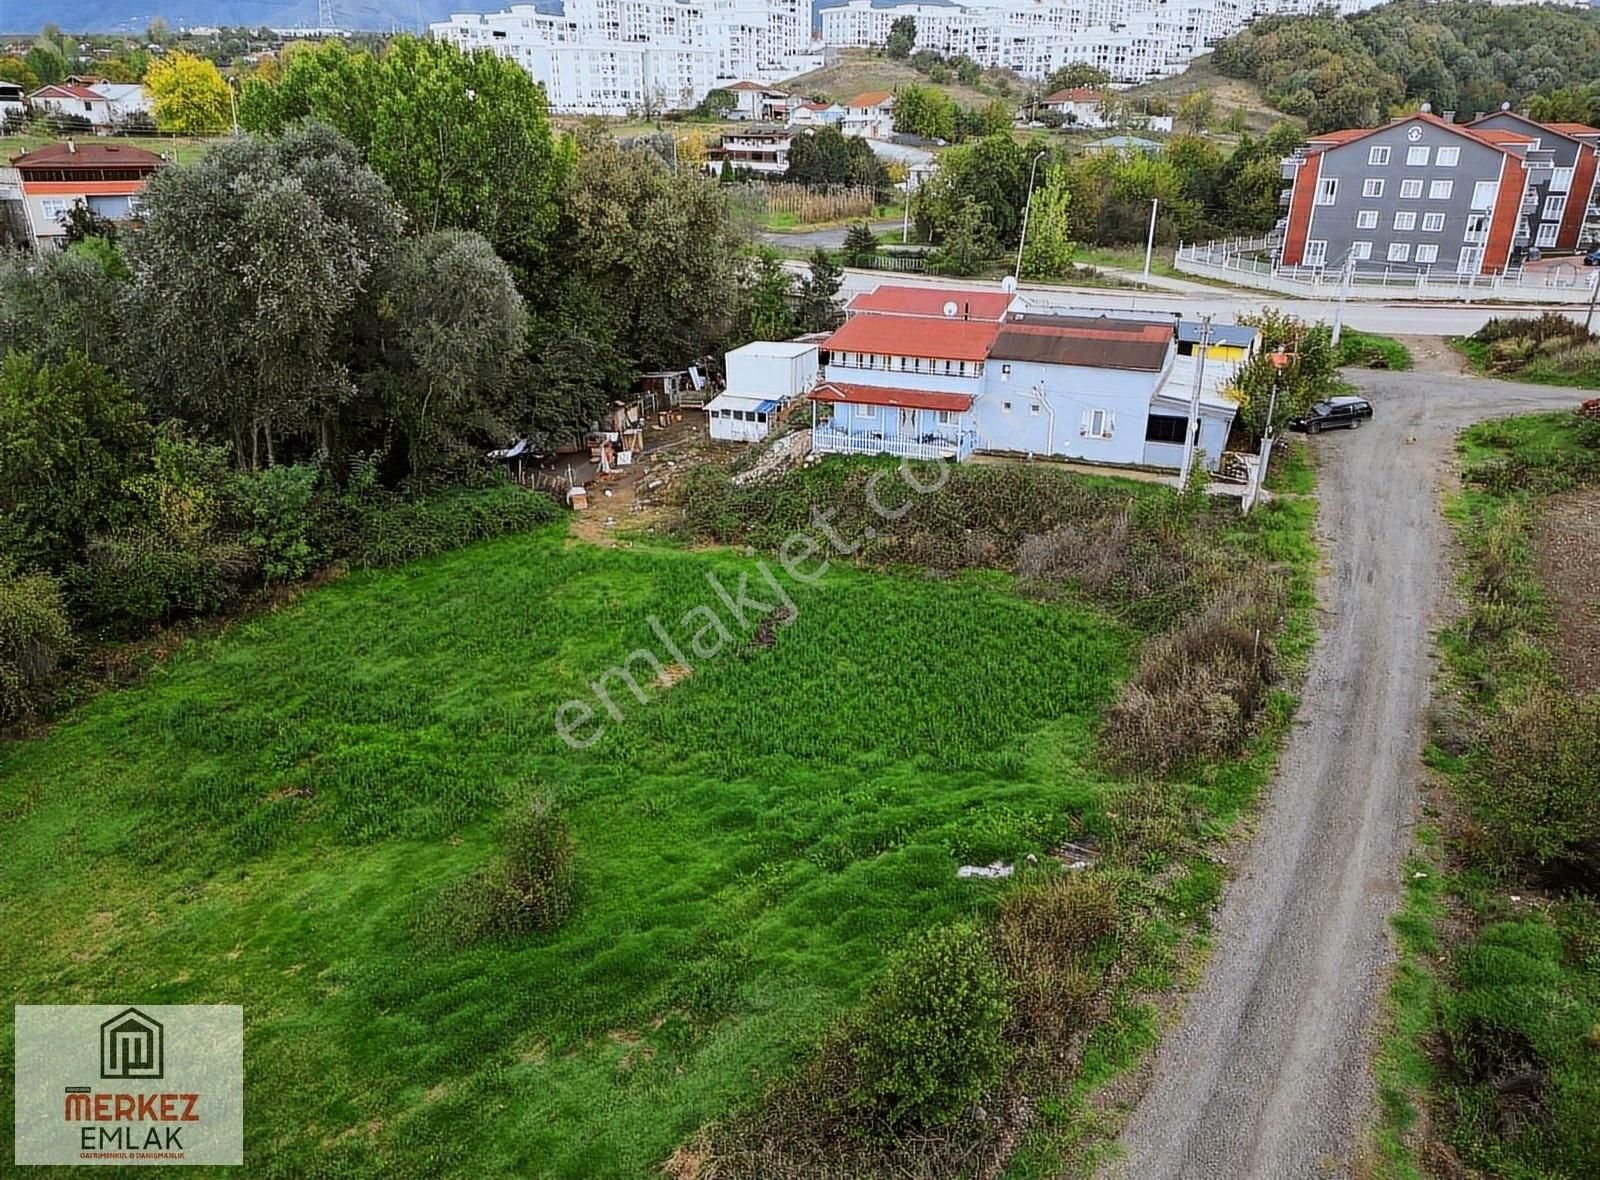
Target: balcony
x,y
957,445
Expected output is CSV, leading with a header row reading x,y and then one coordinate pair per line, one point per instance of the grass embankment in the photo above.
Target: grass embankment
x,y
1368,350
1549,349
274,817
1492,1063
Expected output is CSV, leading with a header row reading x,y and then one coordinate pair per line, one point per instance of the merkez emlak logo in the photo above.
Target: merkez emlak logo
x,y
112,1084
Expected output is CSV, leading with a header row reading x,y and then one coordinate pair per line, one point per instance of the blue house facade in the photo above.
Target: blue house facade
x,y
1093,389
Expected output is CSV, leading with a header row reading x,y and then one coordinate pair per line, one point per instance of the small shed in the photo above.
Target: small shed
x,y
772,368
734,417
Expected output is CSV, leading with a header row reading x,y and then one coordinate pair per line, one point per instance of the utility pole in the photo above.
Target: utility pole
x,y
1194,401
1344,293
1268,435
1150,238
1594,294
1027,208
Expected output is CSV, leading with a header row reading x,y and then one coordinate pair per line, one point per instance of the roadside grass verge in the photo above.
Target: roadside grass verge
x,y
1548,349
1491,1063
1369,350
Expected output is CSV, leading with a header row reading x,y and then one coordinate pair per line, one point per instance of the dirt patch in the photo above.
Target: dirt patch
x,y
1567,548
1431,354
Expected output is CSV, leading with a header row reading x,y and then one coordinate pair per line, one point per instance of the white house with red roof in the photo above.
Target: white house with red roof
x,y
73,98
105,177
930,373
869,115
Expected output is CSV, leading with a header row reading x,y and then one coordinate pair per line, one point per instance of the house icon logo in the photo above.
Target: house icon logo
x,y
131,1046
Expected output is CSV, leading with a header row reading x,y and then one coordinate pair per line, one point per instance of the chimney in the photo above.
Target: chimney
x,y
71,146
1476,115
1448,116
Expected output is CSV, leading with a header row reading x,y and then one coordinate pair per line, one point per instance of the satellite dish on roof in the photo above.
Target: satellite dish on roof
x,y
1009,284
951,308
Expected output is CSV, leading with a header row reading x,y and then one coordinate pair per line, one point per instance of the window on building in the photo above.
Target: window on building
x,y
1367,219
1327,190
1447,157
1405,219
1417,155
1099,423
1441,190
1372,186
1433,222
1165,428
1554,208
1316,252
866,412
1428,254
1410,189
1378,155
1548,231
1033,408
1005,372
1483,194
1399,251
1360,251
948,417
1005,407
1561,180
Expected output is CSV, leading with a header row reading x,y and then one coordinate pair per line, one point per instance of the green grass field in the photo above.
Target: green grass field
x,y
264,821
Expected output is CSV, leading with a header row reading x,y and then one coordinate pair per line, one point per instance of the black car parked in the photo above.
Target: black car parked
x,y
1349,412
1592,258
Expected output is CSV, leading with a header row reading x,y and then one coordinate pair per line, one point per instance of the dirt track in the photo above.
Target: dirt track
x,y
1267,1074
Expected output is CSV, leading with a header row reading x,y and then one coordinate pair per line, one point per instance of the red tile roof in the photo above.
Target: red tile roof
x,y
1497,137
1500,140
870,98
932,301
1075,94
1573,128
903,335
88,155
746,86
882,395
67,90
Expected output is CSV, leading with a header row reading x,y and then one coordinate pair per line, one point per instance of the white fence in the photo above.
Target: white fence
x,y
1238,261
842,442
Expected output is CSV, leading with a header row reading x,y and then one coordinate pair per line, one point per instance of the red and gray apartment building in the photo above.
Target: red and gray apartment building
x,y
1427,194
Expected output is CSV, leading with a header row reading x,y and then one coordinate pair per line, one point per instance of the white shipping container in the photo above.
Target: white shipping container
x,y
780,369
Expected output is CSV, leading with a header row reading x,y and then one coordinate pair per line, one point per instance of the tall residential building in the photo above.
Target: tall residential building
x,y
619,57
1424,194
1132,40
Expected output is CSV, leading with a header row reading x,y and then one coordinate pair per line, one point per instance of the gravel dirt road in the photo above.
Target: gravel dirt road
x,y
1267,1072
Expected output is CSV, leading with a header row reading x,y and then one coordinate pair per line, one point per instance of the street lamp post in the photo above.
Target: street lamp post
x,y
1150,238
1027,208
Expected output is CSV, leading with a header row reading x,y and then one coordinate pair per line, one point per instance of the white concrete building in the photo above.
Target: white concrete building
x,y
763,377
1132,40
620,57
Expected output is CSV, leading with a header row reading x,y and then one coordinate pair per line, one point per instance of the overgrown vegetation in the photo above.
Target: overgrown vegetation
x,y
1369,350
1491,1064
1355,71
1548,349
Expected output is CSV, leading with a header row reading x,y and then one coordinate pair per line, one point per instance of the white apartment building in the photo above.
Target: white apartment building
x,y
620,57
1132,40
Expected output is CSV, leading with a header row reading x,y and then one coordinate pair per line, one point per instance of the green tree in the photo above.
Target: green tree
x,y
47,64
924,110
902,36
767,301
993,172
260,353
718,103
35,638
14,69
188,95
63,302
1075,74
1047,249
860,244
451,325
70,434
817,308
1196,110
827,156
968,240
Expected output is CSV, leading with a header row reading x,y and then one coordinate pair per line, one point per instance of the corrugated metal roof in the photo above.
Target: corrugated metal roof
x,y
883,395
1096,343
903,335
893,299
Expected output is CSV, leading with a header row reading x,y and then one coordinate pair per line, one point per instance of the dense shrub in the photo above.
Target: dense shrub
x,y
142,576
529,887
35,635
929,1038
278,523
1050,937
393,531
1549,325
1537,785
1198,689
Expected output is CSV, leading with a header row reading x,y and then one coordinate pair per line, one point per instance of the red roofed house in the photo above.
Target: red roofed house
x,y
106,177
74,98
869,115
754,101
1106,388
1418,195
1080,106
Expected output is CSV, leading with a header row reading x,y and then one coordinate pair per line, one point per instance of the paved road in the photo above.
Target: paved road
x,y
828,239
1266,1075
1433,319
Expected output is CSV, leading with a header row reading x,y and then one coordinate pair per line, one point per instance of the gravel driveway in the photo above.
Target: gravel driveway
x,y
1267,1072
